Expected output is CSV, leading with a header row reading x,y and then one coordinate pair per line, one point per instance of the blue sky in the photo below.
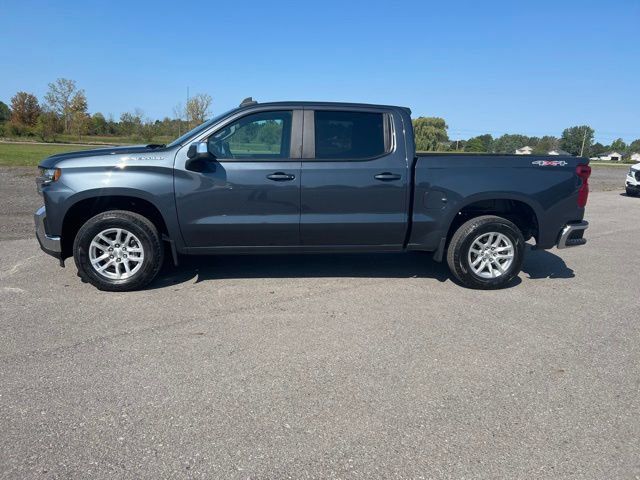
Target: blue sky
x,y
485,66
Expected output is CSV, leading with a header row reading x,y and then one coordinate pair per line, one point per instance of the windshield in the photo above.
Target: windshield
x,y
199,128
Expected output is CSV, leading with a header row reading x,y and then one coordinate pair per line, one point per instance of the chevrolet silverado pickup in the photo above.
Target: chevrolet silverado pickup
x,y
312,177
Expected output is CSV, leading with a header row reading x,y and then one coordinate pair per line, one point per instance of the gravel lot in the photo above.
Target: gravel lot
x,y
371,366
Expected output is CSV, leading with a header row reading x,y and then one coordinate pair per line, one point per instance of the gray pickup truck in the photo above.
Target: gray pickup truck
x,y
294,177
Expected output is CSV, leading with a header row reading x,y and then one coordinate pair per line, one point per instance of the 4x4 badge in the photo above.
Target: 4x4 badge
x,y
550,163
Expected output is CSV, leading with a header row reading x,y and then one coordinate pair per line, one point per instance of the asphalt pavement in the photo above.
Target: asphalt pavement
x,y
340,366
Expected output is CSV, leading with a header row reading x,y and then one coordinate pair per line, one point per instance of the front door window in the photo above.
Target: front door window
x,y
261,136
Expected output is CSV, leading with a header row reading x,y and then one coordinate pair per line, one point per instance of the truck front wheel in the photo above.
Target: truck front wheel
x,y
118,251
486,252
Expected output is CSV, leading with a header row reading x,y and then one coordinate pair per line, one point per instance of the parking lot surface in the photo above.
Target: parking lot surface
x,y
341,366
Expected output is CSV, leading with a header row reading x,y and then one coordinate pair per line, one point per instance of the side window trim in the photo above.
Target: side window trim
x,y
295,147
309,135
297,121
386,131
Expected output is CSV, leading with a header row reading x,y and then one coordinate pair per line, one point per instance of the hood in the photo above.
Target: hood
x,y
51,161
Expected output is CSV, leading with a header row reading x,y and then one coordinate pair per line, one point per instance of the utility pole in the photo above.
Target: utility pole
x,y
186,110
584,138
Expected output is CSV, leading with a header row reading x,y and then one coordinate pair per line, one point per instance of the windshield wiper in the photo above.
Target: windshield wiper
x,y
156,145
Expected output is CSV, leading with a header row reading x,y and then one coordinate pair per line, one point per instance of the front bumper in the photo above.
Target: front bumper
x,y
50,244
572,235
632,186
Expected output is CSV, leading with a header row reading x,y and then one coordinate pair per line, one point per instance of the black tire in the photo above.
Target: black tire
x,y
632,193
139,226
458,251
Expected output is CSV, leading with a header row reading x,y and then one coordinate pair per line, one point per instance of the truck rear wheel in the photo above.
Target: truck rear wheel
x,y
118,251
486,252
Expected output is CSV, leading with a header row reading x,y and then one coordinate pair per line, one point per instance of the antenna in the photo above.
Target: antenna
x,y
248,101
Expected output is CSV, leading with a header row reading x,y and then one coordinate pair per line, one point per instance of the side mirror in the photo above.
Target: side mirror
x,y
199,151
199,159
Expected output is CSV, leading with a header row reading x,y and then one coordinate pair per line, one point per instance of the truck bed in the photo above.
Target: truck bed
x,y
448,184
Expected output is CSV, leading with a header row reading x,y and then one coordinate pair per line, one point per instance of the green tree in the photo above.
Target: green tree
x,y
130,123
99,124
509,143
148,130
481,143
61,98
270,133
198,109
48,126
597,149
24,109
546,144
574,138
80,121
113,128
5,112
619,146
430,133
474,145
533,142
634,147
457,145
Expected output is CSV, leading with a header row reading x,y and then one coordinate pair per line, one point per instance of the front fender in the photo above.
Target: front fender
x,y
151,184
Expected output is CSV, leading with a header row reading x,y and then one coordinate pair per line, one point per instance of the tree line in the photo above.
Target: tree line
x,y
64,111
431,135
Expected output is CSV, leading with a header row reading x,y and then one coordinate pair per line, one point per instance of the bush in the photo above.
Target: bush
x,y
47,126
12,129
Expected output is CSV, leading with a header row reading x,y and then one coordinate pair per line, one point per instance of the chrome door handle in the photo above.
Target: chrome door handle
x,y
280,177
387,176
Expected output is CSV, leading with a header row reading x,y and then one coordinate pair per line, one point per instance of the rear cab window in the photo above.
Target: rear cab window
x,y
350,135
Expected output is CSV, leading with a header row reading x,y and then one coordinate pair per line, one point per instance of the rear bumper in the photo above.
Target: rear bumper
x,y
572,235
50,244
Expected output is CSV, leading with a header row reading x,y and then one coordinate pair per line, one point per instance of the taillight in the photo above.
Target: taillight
x,y
583,171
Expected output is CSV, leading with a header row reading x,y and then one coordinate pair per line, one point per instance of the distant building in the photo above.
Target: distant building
x,y
609,157
527,150
635,157
557,151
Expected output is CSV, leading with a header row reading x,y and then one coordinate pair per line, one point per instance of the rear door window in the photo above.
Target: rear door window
x,y
351,135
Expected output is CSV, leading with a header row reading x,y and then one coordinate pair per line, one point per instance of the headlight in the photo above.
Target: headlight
x,y
48,175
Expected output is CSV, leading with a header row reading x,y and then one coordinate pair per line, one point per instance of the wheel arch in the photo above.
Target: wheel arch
x,y
82,207
521,210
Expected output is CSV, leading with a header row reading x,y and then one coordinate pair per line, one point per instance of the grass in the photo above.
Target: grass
x,y
112,139
31,154
611,164
95,139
